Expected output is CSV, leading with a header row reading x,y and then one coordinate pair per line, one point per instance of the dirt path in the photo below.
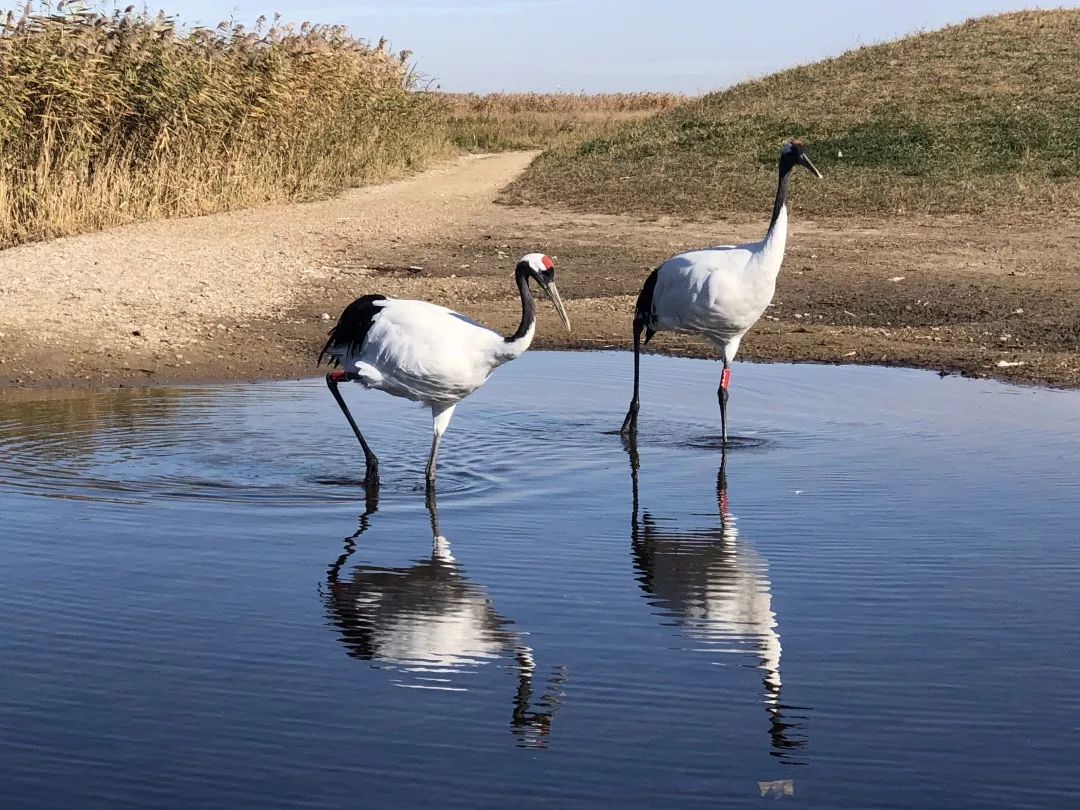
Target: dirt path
x,y
162,298
242,295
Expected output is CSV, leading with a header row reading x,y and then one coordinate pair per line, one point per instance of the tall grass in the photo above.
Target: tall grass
x,y
113,118
501,121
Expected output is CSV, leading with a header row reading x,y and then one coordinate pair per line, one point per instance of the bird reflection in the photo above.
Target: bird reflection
x,y
716,588
430,623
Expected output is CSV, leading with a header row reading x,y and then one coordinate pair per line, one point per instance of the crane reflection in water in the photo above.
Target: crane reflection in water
x,y
430,623
716,588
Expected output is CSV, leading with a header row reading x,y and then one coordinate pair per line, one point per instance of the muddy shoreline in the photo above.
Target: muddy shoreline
x,y
250,295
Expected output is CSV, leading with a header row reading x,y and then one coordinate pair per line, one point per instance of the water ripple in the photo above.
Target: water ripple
x,y
879,580
215,446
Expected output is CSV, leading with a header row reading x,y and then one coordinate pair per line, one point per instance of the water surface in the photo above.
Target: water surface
x,y
873,601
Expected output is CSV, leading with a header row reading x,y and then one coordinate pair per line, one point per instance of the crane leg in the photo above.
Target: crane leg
x,y
441,420
722,397
430,472
371,473
629,425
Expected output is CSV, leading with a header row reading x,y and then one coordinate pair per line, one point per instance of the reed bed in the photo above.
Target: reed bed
x,y
501,121
107,119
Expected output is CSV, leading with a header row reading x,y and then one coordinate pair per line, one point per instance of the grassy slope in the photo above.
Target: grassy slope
x,y
982,116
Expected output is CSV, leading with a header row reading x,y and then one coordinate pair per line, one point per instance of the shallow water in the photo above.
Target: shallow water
x,y
199,607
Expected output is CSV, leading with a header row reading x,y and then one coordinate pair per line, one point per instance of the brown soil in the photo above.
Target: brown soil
x,y
247,295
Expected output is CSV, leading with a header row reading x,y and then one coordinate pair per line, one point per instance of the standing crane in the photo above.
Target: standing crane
x,y
717,293
428,353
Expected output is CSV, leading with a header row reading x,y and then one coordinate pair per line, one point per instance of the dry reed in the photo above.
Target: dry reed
x,y
113,118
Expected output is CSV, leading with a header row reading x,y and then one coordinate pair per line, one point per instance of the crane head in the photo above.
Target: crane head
x,y
541,268
794,154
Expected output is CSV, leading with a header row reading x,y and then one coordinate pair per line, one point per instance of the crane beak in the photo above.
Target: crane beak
x,y
553,293
810,167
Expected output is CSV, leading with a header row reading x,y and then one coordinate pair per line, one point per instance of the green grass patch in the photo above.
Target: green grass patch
x,y
977,117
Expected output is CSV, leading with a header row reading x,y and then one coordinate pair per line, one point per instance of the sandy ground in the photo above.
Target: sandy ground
x,y
249,295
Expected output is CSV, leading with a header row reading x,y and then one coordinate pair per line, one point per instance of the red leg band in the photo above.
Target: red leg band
x,y
725,379
339,376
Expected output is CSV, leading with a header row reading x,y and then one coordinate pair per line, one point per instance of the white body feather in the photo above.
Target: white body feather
x,y
719,292
428,353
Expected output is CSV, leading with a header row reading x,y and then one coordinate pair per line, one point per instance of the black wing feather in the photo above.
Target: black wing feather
x,y
644,316
352,328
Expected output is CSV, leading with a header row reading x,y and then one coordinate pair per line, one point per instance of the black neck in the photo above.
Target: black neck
x,y
528,309
781,191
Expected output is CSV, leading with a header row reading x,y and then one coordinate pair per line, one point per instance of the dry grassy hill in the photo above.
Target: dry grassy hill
x,y
982,116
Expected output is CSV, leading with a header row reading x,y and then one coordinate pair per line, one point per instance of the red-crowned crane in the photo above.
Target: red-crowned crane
x,y
717,293
428,353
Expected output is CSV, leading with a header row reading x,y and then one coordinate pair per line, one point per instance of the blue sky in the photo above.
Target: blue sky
x,y
611,45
